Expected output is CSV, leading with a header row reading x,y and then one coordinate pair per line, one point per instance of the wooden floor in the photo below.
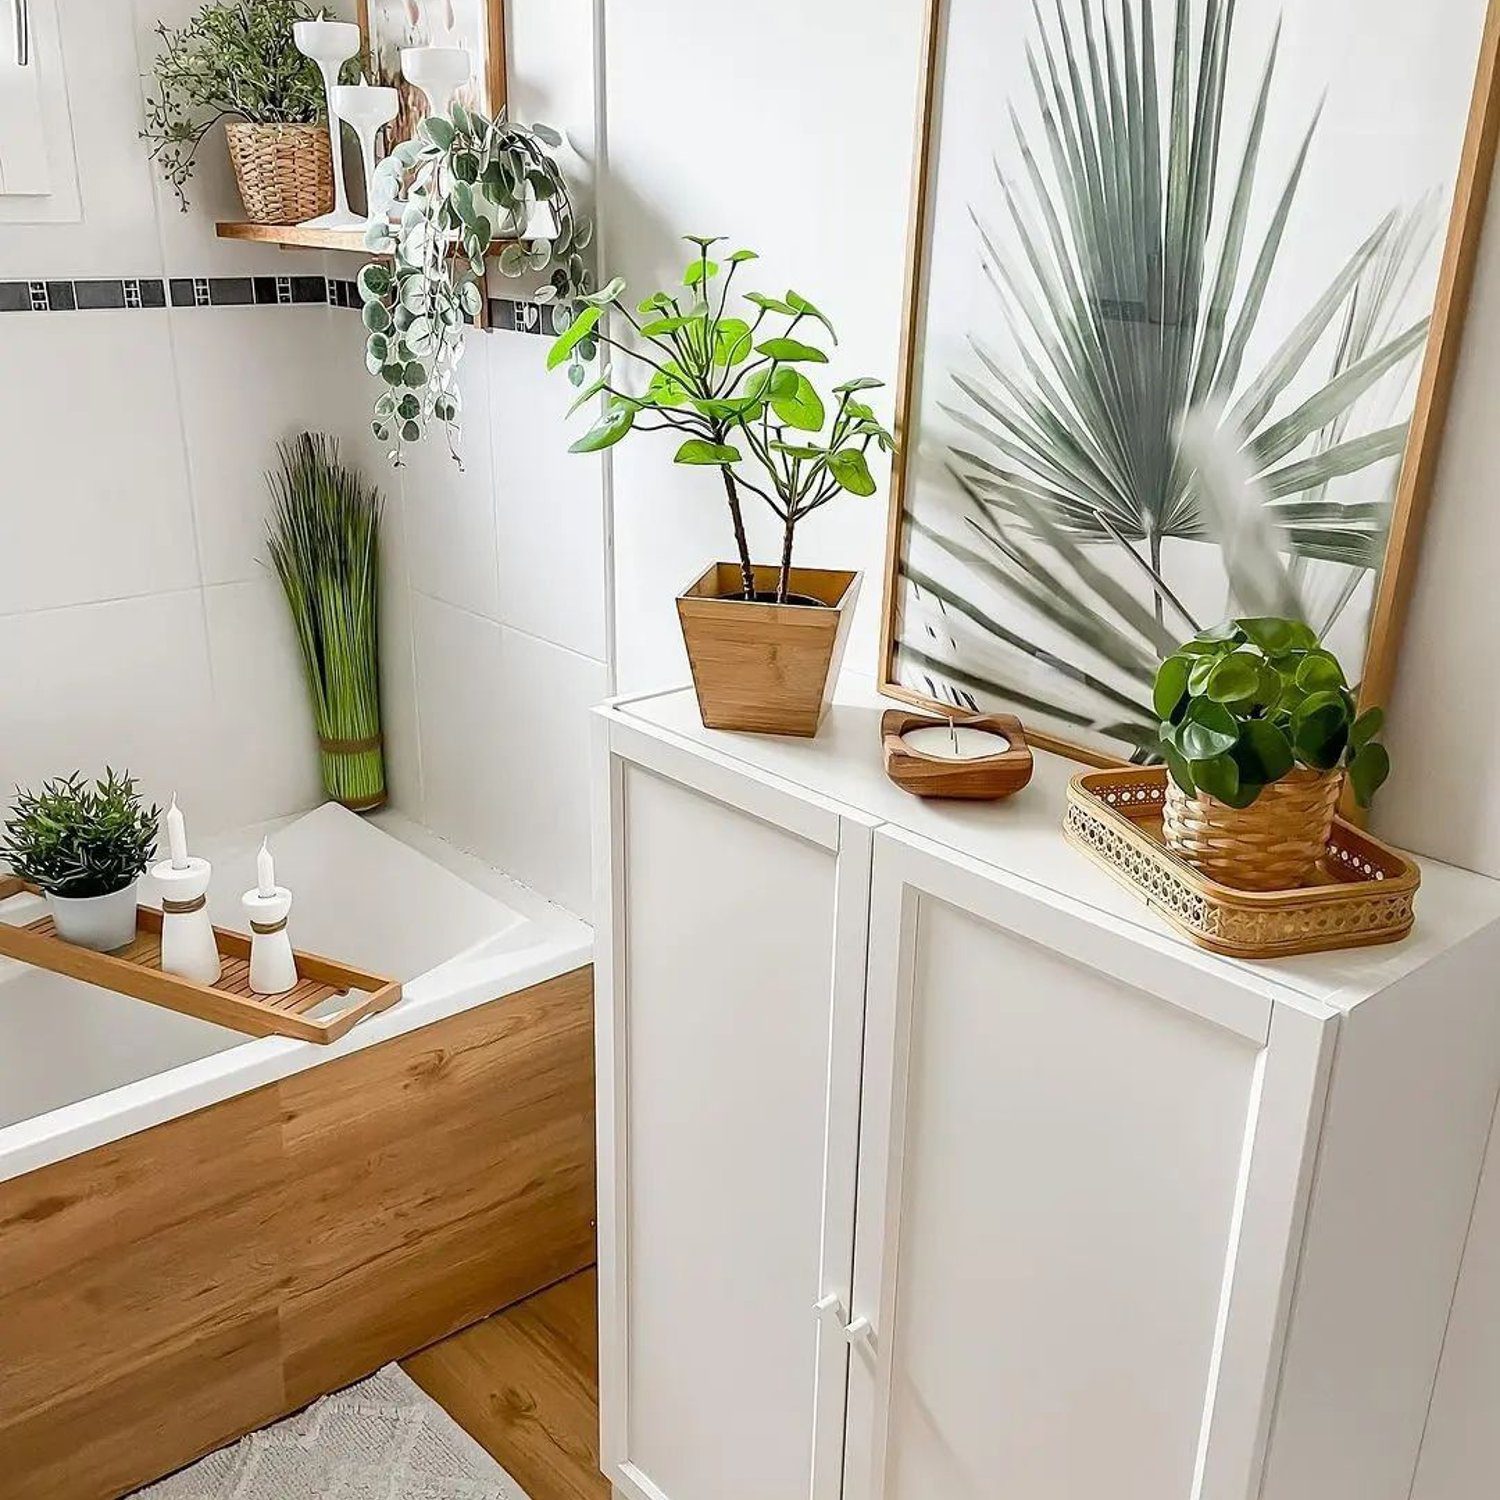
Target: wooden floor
x,y
525,1383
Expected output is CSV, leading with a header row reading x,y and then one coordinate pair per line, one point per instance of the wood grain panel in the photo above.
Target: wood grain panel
x,y
165,1293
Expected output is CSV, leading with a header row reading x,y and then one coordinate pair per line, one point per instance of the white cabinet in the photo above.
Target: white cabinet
x,y
729,1087
1089,1212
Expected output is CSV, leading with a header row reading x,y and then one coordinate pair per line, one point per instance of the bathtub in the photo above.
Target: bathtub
x,y
200,1231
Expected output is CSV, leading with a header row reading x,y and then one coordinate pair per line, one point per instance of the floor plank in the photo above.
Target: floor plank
x,y
525,1383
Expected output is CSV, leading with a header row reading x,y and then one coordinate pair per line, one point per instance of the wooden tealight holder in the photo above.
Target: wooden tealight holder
x,y
986,779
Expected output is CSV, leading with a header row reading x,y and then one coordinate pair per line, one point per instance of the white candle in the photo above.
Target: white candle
x,y
955,742
177,837
265,871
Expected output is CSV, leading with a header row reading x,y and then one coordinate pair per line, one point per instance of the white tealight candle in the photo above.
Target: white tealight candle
x,y
177,837
265,871
955,742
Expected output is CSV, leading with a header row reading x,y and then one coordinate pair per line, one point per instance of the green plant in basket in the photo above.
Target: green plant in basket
x,y
80,840
1242,705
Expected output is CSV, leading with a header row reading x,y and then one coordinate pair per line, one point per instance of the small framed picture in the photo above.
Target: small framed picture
x,y
477,26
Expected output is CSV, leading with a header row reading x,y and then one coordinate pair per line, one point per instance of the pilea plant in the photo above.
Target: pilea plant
x,y
234,60
1243,704
459,184
730,386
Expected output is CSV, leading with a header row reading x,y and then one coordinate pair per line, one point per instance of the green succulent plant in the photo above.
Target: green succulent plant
x,y
1245,703
75,839
727,382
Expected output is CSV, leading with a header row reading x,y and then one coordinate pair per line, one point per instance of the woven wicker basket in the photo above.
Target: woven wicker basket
x,y
1272,845
285,172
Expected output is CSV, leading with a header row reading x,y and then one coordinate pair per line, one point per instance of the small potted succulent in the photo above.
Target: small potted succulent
x,y
764,641
1260,732
86,847
236,61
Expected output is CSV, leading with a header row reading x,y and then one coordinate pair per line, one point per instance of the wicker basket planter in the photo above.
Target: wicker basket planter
x,y
1272,845
284,172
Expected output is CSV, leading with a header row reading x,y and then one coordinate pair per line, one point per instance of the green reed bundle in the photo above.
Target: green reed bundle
x,y
324,535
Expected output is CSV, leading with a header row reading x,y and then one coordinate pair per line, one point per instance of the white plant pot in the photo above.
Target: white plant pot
x,y
102,923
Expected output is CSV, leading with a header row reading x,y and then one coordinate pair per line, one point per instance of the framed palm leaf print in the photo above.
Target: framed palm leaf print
x,y
1261,215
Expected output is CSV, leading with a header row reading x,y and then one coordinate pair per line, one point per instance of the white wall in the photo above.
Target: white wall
x,y
496,614
137,625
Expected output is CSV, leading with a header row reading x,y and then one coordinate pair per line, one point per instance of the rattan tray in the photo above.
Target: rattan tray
x,y
136,971
1362,893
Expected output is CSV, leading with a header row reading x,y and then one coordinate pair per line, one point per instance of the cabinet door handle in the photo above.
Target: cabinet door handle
x,y
859,1332
21,11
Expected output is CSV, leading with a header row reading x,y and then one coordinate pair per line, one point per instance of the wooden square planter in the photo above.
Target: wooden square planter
x,y
766,667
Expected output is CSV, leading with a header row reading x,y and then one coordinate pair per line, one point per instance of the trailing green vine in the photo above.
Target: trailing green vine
x,y
464,195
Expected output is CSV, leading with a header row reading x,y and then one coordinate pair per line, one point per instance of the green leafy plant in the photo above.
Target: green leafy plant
x,y
77,839
1243,704
324,540
730,385
459,185
234,60
1137,261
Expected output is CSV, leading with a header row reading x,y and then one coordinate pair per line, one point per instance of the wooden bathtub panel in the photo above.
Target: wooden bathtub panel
x,y
163,1294
113,1258
488,1173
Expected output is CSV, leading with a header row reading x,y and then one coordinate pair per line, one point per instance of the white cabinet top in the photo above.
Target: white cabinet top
x,y
1022,839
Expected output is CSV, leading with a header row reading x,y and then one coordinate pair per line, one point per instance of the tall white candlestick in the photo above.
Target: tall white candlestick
x,y
265,871
177,837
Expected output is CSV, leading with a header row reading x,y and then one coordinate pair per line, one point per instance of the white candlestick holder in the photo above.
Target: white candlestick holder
x,y
440,72
330,44
188,946
273,968
366,108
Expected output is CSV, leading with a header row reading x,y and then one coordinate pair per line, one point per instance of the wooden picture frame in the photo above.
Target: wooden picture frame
x,y
1418,464
492,92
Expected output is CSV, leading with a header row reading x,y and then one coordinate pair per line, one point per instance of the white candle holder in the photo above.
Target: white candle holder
x,y
273,968
366,107
440,72
330,44
188,946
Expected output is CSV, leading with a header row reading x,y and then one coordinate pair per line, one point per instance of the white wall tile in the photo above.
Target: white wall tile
x,y
124,684
95,491
462,719
248,377
549,503
450,517
266,760
398,669
539,769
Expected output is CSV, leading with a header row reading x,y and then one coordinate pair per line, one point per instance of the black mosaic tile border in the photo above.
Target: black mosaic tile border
x,y
507,315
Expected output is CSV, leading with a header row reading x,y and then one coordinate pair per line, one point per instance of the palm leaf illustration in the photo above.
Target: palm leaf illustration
x,y
1133,269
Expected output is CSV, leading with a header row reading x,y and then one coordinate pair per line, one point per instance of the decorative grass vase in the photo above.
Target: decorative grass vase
x,y
99,923
284,172
1272,845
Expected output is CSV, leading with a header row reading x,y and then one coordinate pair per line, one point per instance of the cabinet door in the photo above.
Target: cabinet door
x,y
1083,1165
731,992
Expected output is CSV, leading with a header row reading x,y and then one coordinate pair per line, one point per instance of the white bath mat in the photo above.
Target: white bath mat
x,y
383,1439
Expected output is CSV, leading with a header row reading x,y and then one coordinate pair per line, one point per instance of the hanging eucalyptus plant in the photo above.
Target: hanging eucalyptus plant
x,y
471,193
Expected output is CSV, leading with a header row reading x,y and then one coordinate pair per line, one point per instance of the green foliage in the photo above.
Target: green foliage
x,y
234,60
731,387
1242,704
324,540
77,840
460,184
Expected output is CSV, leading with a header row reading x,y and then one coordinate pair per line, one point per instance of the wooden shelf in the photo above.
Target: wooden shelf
x,y
296,235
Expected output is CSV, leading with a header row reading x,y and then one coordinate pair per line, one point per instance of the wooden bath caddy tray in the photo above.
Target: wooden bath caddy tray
x,y
1362,893
136,971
